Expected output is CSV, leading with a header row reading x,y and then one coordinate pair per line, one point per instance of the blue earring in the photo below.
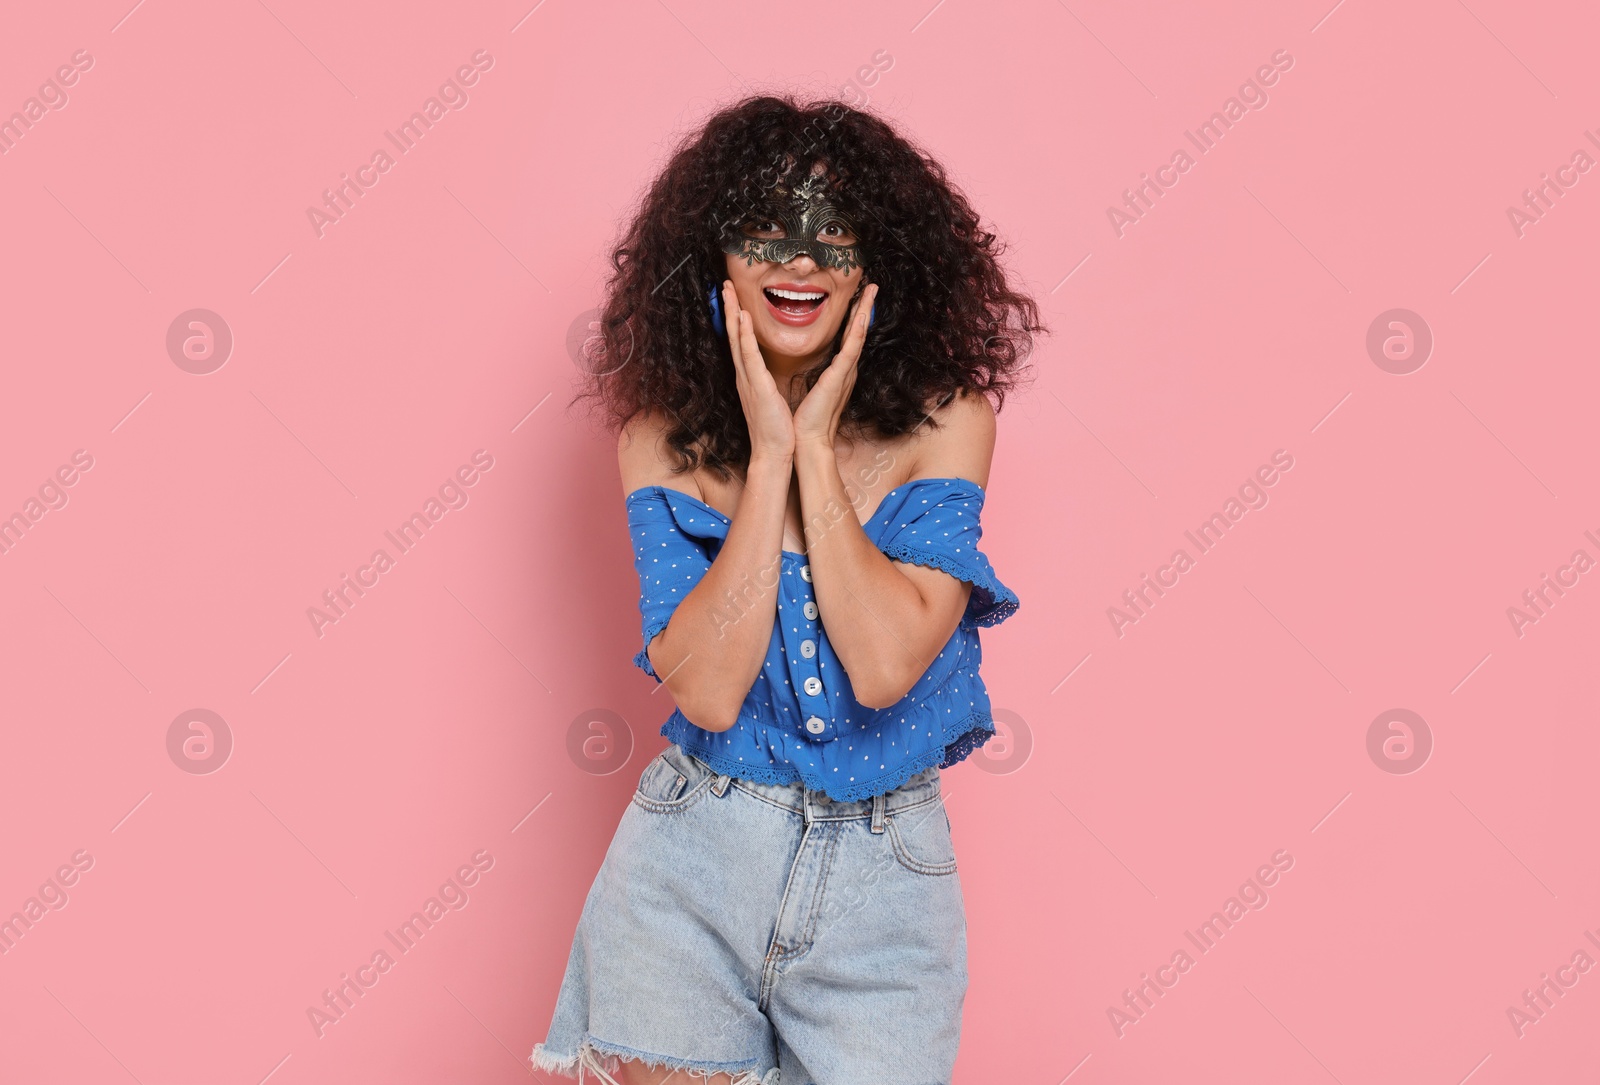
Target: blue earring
x,y
717,322
872,314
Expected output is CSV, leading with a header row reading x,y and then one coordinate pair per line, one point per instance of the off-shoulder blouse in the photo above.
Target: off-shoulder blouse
x,y
801,721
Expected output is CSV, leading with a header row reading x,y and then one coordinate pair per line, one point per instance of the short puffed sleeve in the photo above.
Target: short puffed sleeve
x,y
673,546
936,522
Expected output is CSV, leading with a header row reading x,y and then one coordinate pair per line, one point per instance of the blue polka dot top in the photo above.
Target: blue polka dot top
x,y
800,720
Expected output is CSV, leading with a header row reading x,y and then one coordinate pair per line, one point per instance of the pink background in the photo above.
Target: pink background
x,y
1145,776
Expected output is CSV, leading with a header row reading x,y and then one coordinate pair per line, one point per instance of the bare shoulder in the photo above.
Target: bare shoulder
x,y
963,444
644,457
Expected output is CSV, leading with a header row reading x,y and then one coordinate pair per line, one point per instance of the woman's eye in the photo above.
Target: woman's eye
x,y
837,233
766,228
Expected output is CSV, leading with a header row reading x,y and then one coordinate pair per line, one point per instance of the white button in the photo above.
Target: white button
x,y
809,610
808,648
805,573
813,685
815,725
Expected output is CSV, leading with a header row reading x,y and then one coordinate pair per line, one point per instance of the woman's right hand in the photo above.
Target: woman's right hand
x,y
766,412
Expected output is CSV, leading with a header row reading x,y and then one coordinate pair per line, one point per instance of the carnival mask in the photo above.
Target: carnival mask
x,y
810,224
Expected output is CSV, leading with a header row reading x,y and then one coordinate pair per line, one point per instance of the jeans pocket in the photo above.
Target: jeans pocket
x,y
671,781
921,839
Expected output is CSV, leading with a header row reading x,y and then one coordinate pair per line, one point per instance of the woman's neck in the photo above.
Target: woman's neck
x,y
789,373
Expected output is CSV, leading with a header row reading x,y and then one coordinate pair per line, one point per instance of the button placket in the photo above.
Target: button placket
x,y
806,680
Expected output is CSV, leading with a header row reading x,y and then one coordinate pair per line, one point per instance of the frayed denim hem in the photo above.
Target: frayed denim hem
x,y
557,1064
602,1059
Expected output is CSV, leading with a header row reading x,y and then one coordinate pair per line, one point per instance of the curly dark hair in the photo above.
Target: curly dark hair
x,y
947,320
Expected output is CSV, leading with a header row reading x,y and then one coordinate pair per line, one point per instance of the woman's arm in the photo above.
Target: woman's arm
x,y
711,651
716,640
885,619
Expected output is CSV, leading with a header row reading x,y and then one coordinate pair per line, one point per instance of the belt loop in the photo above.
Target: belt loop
x,y
879,805
805,804
721,786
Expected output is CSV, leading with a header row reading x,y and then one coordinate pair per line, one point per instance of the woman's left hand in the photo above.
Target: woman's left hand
x,y
816,420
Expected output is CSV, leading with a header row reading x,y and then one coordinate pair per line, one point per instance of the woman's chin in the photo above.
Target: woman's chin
x,y
790,342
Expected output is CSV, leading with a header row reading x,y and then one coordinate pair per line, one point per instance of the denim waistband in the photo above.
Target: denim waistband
x,y
918,790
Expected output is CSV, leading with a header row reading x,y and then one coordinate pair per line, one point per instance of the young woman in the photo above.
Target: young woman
x,y
800,338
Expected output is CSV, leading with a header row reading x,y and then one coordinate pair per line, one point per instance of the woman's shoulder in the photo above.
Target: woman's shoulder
x,y
645,458
960,444
968,411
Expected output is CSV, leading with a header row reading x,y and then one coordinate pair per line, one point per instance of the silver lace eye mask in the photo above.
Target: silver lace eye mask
x,y
809,212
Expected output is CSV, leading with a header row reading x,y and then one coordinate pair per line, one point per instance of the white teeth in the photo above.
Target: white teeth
x,y
796,295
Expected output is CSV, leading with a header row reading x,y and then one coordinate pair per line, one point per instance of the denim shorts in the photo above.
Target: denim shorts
x,y
768,933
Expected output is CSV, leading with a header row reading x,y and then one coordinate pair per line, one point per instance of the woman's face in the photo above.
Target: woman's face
x,y
795,307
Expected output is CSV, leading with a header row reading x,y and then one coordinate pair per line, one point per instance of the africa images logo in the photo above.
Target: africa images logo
x,y
338,202
1136,201
340,600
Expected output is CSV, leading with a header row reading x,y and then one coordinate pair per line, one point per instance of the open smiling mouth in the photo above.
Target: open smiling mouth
x,y
795,306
